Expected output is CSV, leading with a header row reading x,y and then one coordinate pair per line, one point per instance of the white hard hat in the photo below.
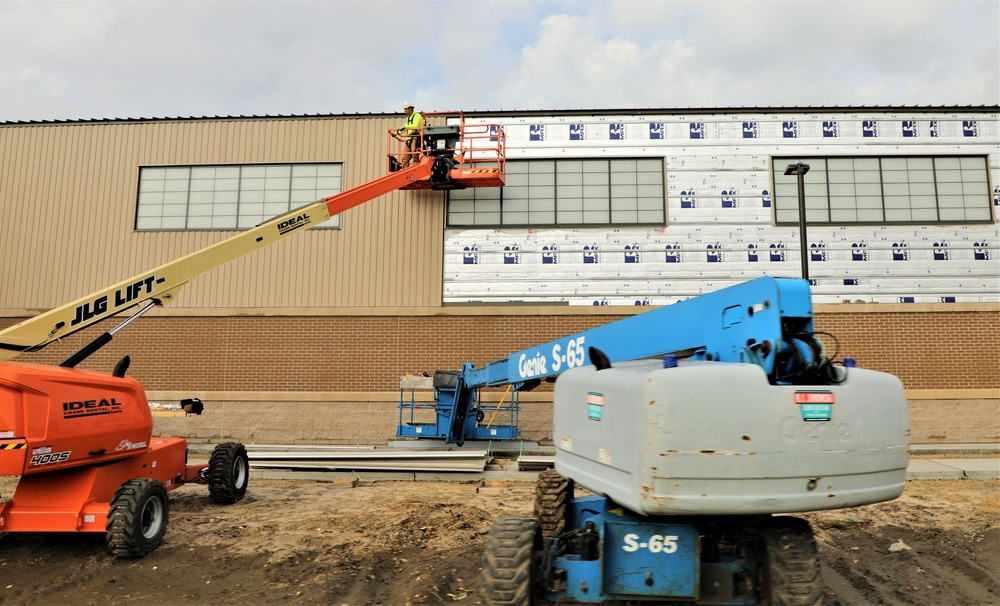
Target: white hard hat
x,y
407,104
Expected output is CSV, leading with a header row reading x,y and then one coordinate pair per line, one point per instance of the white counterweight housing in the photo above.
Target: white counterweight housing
x,y
712,438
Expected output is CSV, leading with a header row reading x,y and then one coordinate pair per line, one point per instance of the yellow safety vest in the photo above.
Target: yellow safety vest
x,y
414,122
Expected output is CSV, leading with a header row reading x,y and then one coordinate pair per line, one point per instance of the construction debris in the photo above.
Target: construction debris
x,y
535,463
350,459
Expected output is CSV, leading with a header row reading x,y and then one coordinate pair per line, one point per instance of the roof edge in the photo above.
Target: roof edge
x,y
509,113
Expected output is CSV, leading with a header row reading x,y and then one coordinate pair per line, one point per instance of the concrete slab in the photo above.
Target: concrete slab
x,y
955,449
978,469
287,474
933,469
493,446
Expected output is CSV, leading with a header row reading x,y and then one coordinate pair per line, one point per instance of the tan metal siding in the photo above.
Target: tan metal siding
x,y
68,196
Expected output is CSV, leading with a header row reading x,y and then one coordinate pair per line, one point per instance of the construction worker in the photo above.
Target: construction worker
x,y
410,134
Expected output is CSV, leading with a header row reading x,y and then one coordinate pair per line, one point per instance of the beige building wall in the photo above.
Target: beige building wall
x,y
67,206
68,203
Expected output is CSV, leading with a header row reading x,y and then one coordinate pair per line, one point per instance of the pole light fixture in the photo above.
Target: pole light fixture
x,y
799,170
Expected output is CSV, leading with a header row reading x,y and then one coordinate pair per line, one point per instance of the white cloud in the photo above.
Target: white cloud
x,y
718,54
90,59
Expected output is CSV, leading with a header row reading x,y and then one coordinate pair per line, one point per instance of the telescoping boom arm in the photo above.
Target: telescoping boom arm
x,y
767,322
749,322
160,285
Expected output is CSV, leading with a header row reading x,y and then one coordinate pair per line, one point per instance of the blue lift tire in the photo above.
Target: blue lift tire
x,y
553,493
508,577
791,563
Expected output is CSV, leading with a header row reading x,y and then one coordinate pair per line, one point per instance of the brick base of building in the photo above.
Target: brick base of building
x,y
973,421
332,378
338,421
333,422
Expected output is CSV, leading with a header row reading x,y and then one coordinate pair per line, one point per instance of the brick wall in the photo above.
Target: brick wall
x,y
940,350
332,353
339,355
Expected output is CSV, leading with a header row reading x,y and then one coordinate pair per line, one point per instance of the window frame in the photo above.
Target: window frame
x,y
238,219
499,201
898,189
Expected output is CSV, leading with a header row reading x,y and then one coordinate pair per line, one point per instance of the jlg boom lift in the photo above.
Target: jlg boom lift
x,y
691,424
81,441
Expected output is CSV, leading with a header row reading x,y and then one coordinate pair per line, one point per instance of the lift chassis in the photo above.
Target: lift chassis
x,y
693,427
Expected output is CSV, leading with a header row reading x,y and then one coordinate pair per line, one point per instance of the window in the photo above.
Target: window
x,y
230,197
890,189
627,191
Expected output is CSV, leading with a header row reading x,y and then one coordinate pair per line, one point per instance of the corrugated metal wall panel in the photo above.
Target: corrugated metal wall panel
x,y
68,195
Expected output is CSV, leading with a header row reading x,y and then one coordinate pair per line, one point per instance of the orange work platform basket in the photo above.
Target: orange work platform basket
x,y
475,152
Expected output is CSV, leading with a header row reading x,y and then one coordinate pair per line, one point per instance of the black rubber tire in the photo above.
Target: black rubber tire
x,y
553,493
508,577
137,519
791,563
228,473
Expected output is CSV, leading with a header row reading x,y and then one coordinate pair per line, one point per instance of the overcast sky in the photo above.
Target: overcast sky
x,y
131,59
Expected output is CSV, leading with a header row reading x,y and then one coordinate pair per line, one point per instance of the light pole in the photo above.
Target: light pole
x,y
799,170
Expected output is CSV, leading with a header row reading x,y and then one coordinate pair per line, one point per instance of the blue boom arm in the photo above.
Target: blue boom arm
x,y
766,321
744,323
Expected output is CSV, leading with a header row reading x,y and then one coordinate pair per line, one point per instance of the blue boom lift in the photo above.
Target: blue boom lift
x,y
691,425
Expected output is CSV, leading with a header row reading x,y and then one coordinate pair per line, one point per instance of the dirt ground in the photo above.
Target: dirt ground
x,y
406,543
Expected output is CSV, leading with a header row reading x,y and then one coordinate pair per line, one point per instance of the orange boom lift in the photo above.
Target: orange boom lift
x,y
81,441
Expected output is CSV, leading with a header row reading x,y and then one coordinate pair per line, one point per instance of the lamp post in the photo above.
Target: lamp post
x,y
799,170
